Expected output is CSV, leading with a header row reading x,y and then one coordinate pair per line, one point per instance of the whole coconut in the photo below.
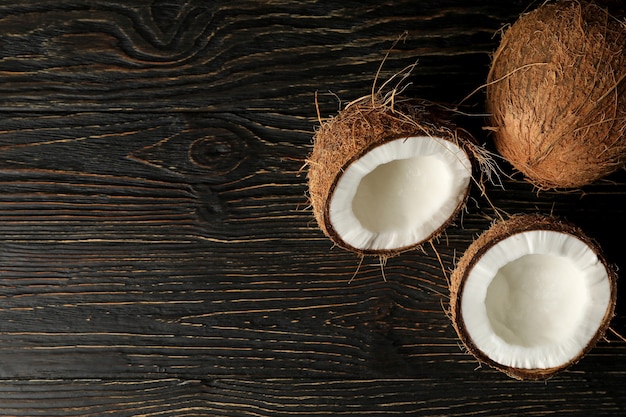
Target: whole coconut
x,y
556,94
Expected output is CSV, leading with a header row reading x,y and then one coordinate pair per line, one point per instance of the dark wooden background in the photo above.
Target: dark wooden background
x,y
157,253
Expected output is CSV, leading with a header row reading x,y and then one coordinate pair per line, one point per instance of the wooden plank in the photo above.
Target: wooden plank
x,y
234,56
277,397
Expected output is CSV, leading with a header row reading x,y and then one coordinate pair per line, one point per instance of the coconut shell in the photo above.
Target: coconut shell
x,y
499,231
360,127
556,94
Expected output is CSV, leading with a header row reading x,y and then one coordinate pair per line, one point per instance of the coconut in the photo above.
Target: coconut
x,y
555,93
531,296
387,175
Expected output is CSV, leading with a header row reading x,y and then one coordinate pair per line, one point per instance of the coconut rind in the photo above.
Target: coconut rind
x,y
360,127
499,231
556,93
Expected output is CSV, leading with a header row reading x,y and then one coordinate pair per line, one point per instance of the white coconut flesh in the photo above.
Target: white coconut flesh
x,y
398,194
535,300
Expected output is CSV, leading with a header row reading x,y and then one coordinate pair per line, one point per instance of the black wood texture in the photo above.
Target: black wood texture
x,y
157,253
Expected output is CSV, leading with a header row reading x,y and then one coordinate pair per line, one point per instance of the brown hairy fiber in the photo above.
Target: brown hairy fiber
x,y
556,94
499,231
360,127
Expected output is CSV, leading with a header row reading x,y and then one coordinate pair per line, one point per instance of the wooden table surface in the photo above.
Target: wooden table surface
x,y
157,253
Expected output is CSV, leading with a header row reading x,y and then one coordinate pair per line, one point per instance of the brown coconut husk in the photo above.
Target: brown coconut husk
x,y
360,127
556,94
499,231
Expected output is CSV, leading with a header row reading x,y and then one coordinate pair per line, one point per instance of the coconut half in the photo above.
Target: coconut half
x,y
385,179
531,296
556,92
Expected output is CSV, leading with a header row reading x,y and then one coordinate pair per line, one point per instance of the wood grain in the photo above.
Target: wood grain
x,y
232,56
157,252
278,397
